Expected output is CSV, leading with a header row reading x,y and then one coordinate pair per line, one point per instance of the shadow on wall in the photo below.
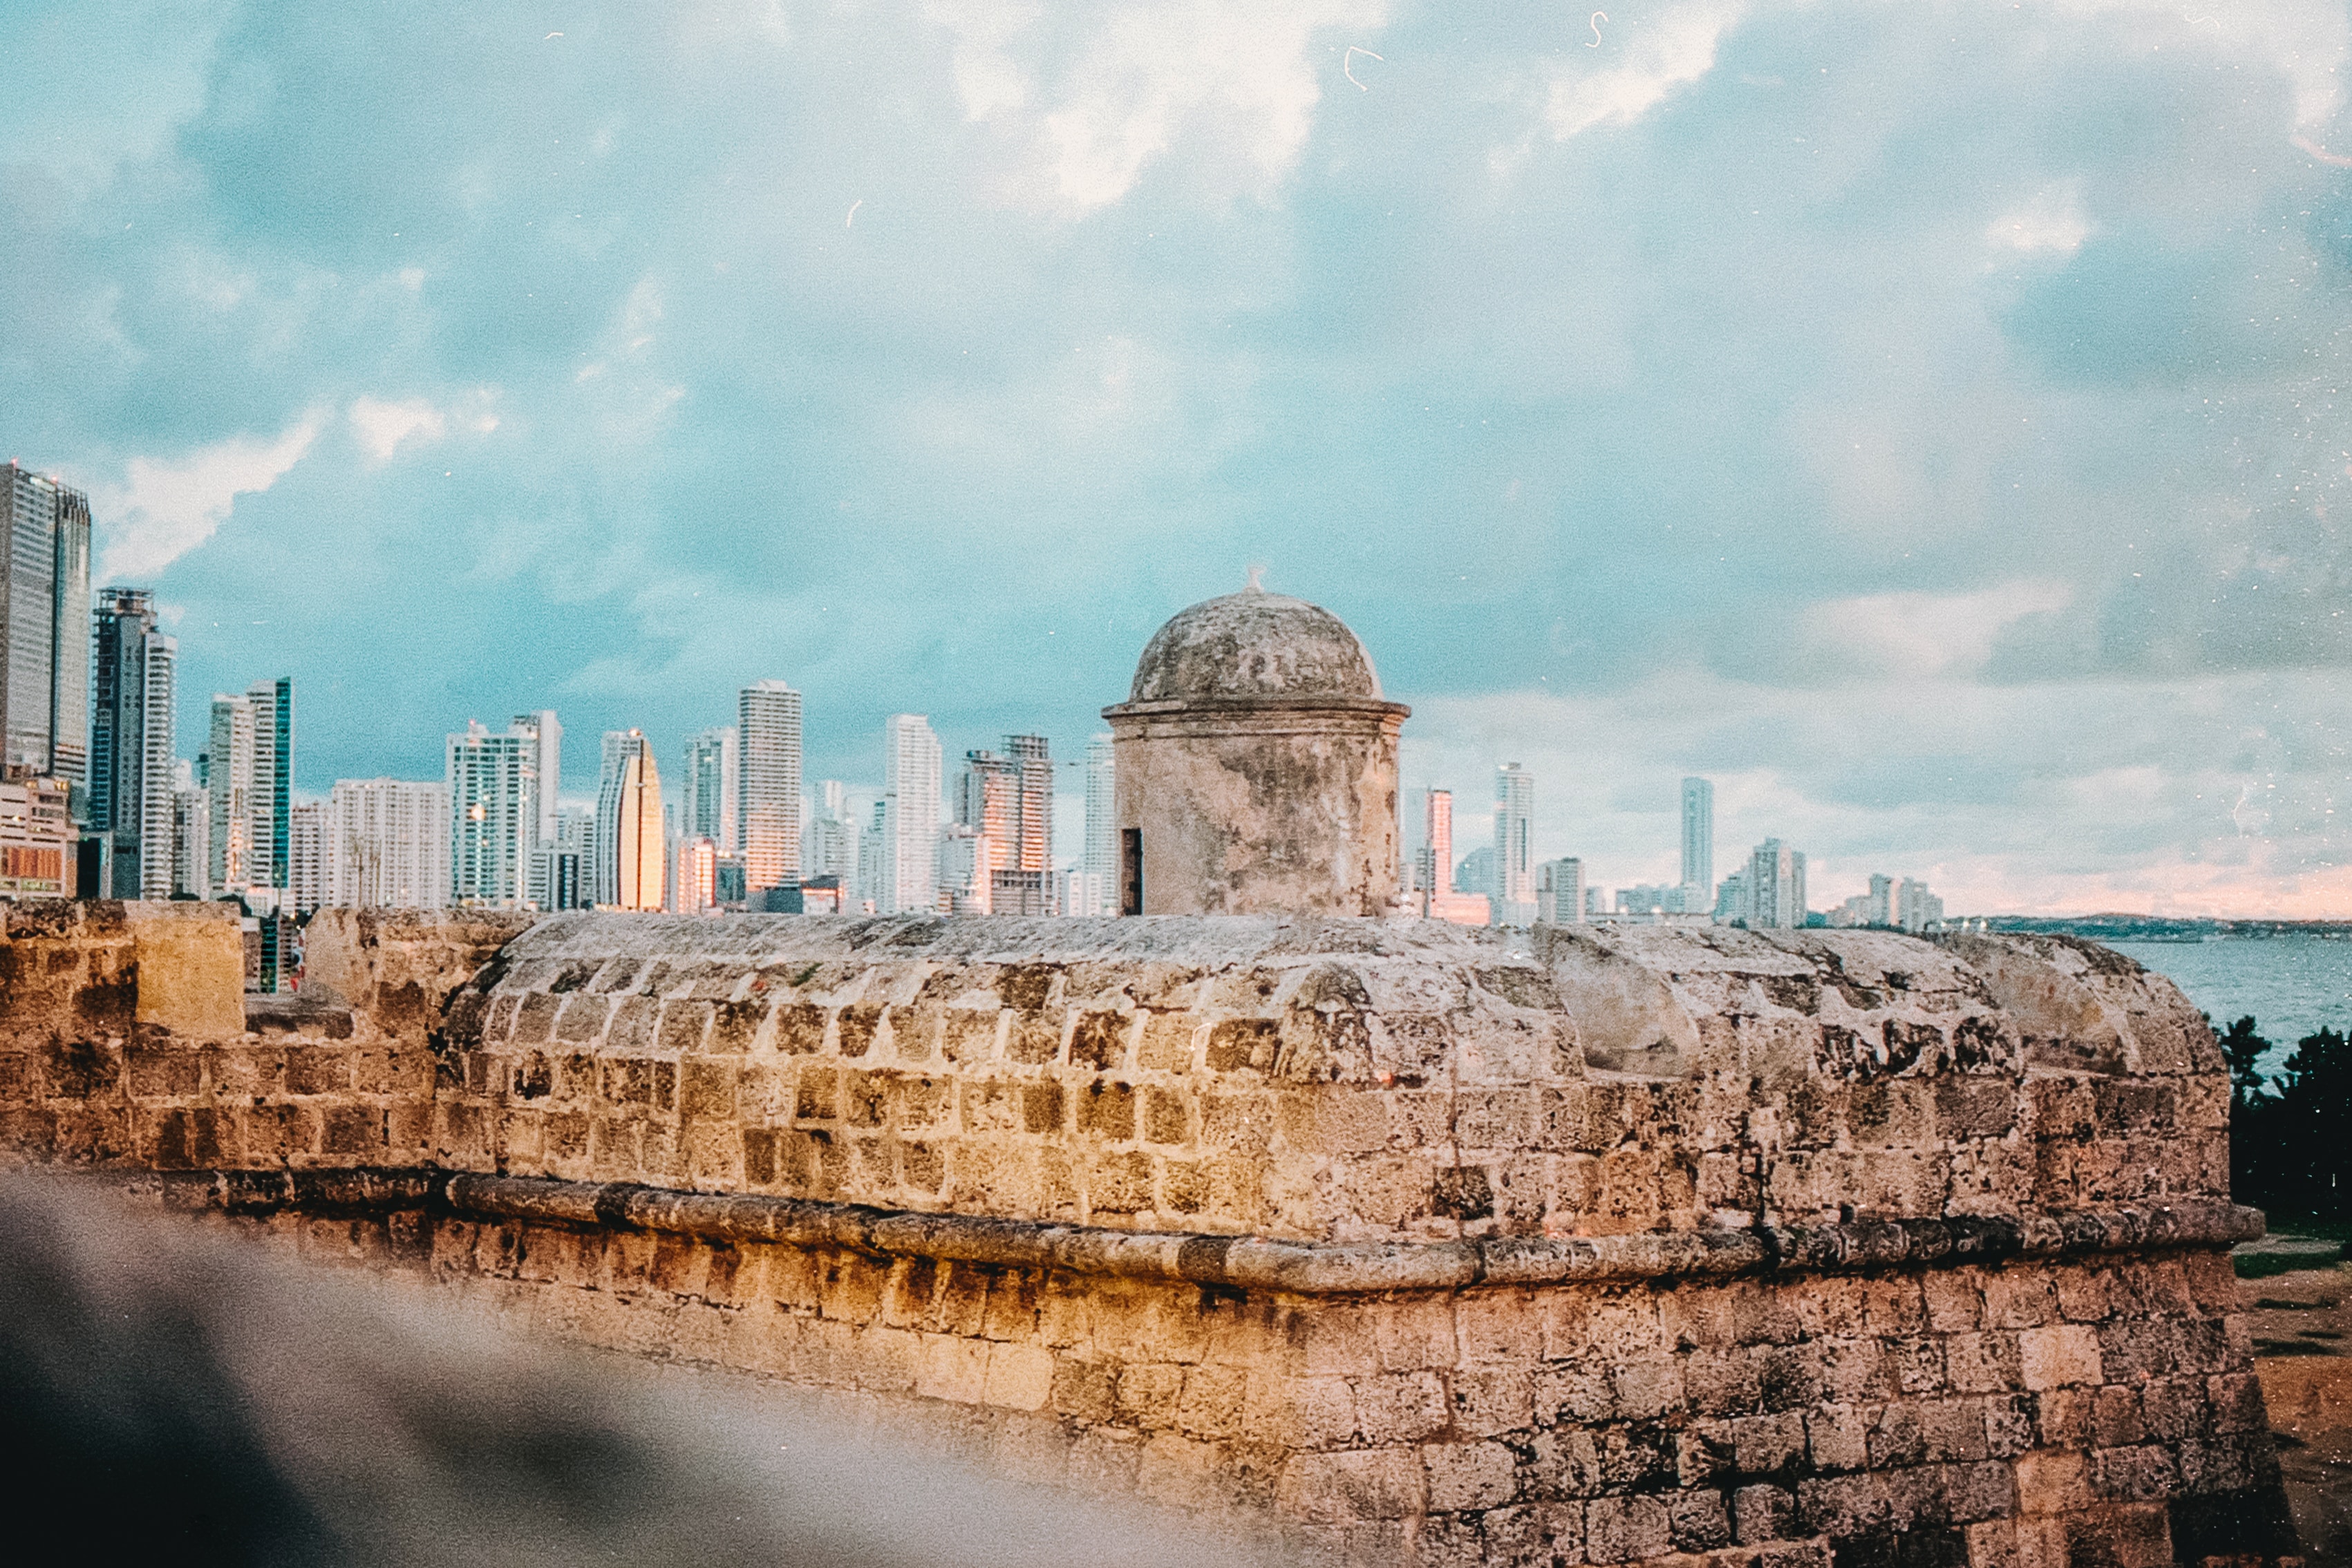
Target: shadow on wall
x,y
165,1395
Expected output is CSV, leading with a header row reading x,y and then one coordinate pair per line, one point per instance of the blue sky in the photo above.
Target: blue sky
x,y
1924,420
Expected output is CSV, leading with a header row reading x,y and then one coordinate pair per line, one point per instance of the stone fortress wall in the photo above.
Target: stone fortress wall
x,y
1414,1243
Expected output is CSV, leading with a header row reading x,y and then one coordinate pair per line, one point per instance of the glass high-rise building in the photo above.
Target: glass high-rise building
x,y
387,844
269,797
769,743
1101,857
228,776
1515,858
709,784
630,842
133,667
44,619
494,814
1699,843
1008,799
909,815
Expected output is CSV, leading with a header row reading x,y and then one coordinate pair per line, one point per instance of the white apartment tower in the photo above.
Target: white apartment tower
x,y
1559,891
44,629
494,799
1101,858
1515,860
387,844
910,816
769,717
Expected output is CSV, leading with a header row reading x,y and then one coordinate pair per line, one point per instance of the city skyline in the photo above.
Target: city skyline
x,y
1937,461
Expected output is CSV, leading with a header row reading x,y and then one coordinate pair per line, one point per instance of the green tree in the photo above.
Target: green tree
x,y
2243,1047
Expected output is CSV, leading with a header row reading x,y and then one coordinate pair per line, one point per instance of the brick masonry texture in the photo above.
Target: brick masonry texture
x,y
1350,1085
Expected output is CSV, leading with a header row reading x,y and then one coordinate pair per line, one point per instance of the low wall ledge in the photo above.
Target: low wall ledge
x,y
1238,1262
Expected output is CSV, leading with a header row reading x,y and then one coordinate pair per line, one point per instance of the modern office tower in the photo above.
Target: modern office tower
x,y
1772,893
770,786
228,775
44,618
192,834
1559,891
1514,860
269,793
637,832
565,863
387,844
1101,856
710,784
131,745
494,796
620,745
967,858
1698,841
305,845
908,817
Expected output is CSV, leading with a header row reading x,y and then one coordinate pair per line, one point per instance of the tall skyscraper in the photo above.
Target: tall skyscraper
x,y
1008,799
769,717
543,725
387,844
1698,841
710,784
228,774
620,745
1514,860
1434,871
44,618
1101,857
131,745
494,799
909,814
638,837
192,834
270,794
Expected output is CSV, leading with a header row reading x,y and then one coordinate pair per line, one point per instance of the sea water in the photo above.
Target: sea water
x,y
2293,984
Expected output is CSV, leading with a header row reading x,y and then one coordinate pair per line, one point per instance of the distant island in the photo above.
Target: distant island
x,y
2163,928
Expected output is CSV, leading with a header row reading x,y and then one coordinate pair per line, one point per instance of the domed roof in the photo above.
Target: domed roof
x,y
1253,645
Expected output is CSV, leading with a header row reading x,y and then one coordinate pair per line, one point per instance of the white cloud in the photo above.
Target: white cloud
x,y
163,511
2051,221
1920,635
1235,85
1637,66
382,426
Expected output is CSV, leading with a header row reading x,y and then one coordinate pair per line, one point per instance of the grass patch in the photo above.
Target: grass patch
x,y
2263,1265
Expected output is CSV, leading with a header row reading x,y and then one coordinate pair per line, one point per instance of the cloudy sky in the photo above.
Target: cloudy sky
x,y
1925,420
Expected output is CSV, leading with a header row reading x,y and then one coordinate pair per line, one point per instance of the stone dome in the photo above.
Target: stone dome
x,y
1253,645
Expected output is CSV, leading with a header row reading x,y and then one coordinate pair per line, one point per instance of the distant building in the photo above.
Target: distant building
x,y
1559,891
229,773
639,862
1008,799
823,895
306,841
545,734
270,795
1771,894
1085,894
697,881
386,844
1514,860
1698,843
1647,898
769,785
1476,873
44,626
829,844
1916,908
1436,900
906,876
1101,856
134,666
191,835
710,787
967,857
494,802
621,748
1876,907
37,837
